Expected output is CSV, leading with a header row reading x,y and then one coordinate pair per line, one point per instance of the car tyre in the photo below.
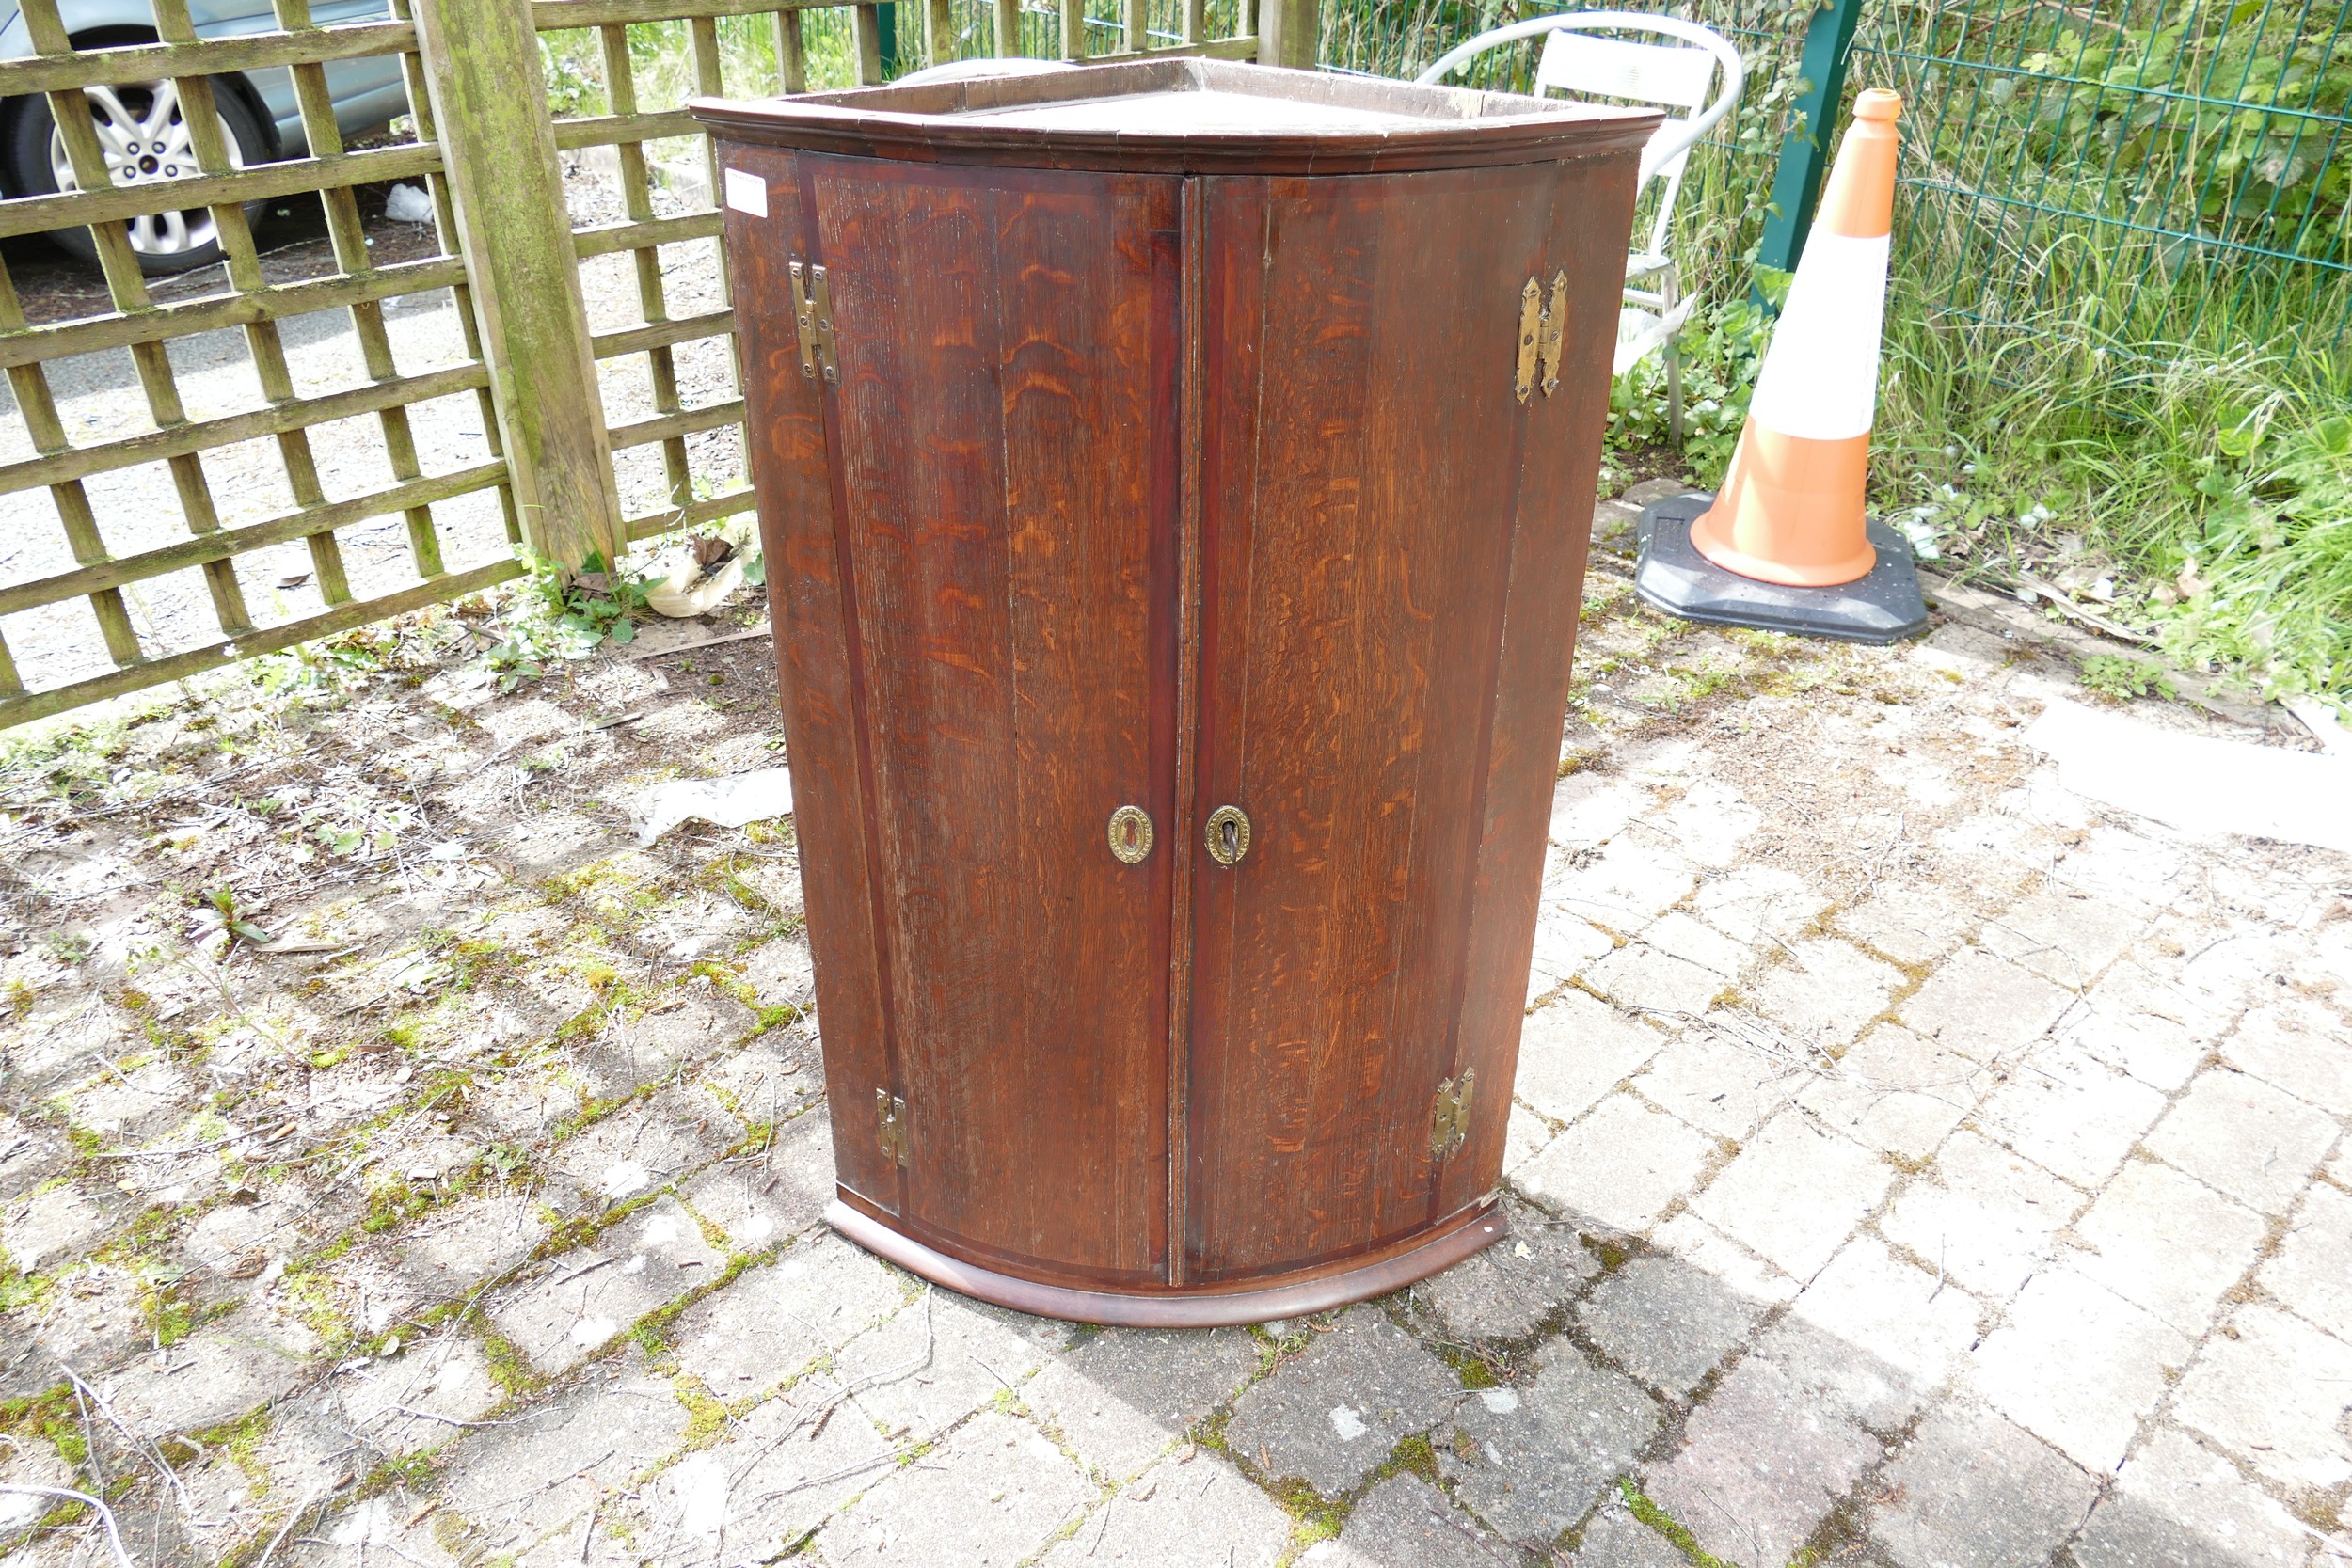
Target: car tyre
x,y
155,148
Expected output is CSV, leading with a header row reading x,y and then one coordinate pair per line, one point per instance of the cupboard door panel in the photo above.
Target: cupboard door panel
x,y
1550,534
1361,474
1005,445
822,717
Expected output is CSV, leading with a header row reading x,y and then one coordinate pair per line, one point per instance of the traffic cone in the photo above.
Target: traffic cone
x,y
1785,545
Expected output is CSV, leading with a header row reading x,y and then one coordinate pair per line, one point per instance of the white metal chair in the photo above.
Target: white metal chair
x,y
1577,59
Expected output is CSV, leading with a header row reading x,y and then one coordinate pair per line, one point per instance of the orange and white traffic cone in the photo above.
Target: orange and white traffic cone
x,y
1787,528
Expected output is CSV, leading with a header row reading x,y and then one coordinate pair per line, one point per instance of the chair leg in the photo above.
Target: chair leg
x,y
1673,361
1673,392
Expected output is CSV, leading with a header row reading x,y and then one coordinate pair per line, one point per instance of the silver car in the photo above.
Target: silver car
x,y
139,125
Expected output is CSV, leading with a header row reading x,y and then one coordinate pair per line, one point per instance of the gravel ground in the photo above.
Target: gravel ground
x,y
1911,1163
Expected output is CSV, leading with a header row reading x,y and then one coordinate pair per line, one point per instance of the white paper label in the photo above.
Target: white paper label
x,y
747,193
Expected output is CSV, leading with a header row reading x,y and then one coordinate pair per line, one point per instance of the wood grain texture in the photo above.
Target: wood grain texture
x,y
1362,479
1549,534
810,603
1007,448
1183,490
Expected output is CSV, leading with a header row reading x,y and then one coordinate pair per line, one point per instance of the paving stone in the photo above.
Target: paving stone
x,y
1897,1092
1984,1007
2312,1270
1616,1539
1589,809
758,1202
630,1053
1564,943
2174,1505
645,1145
1523,1136
2127,1022
2274,1391
1756,903
1667,1322
1717,1086
589,1296
940,1359
373,1530
1694,941
1006,1489
784,1467
1653,980
2297,1046
51,1227
1794,1194
1574,1050
1696,1243
2238,1135
2070,1113
214,1375
1826,992
516,1485
1540,1453
1332,1416
1405,1523
1191,1510
1983,1215
2063,934
1507,1290
1910,1325
1969,1487
457,1249
2077,1365
1759,1467
1620,1165
1711,819
416,1401
771,1320
2159,1240
1909,924
1122,1396
2129,867
1629,886
780,972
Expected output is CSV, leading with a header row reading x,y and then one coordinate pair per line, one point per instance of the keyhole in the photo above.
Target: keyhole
x,y
1232,840
1130,832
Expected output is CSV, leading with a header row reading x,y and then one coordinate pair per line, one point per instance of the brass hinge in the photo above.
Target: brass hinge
x,y
890,1125
1449,1122
811,318
1542,335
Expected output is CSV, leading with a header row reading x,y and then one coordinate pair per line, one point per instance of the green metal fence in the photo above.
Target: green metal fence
x,y
2144,174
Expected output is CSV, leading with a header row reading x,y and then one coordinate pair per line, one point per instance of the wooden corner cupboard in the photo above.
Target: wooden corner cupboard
x,y
1174,476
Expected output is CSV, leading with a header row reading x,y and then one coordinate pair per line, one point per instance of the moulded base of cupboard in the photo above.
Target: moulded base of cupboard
x,y
1253,1301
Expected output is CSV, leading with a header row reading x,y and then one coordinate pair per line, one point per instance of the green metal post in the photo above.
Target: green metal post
x,y
887,15
1804,151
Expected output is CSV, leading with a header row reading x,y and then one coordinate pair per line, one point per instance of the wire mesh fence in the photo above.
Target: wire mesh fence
x,y
2146,176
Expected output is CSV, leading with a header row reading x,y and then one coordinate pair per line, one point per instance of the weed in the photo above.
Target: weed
x,y
2120,680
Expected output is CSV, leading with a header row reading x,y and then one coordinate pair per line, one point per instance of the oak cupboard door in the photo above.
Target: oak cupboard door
x,y
1362,476
1003,442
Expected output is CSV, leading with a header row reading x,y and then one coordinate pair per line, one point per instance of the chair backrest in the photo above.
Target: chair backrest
x,y
1612,68
1663,75
1577,58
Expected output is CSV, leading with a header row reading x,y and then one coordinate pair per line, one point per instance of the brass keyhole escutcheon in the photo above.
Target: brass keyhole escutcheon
x,y
1228,834
1131,835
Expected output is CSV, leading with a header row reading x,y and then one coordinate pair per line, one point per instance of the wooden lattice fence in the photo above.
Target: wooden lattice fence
x,y
506,441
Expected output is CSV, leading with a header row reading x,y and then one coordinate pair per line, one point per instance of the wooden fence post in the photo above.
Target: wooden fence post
x,y
1290,32
482,69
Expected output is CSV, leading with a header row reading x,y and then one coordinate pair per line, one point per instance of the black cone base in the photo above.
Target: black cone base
x,y
1885,607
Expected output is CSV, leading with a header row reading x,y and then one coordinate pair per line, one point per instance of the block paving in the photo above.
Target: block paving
x,y
1911,1163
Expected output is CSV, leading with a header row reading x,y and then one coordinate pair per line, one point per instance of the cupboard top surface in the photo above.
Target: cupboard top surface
x,y
1186,115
